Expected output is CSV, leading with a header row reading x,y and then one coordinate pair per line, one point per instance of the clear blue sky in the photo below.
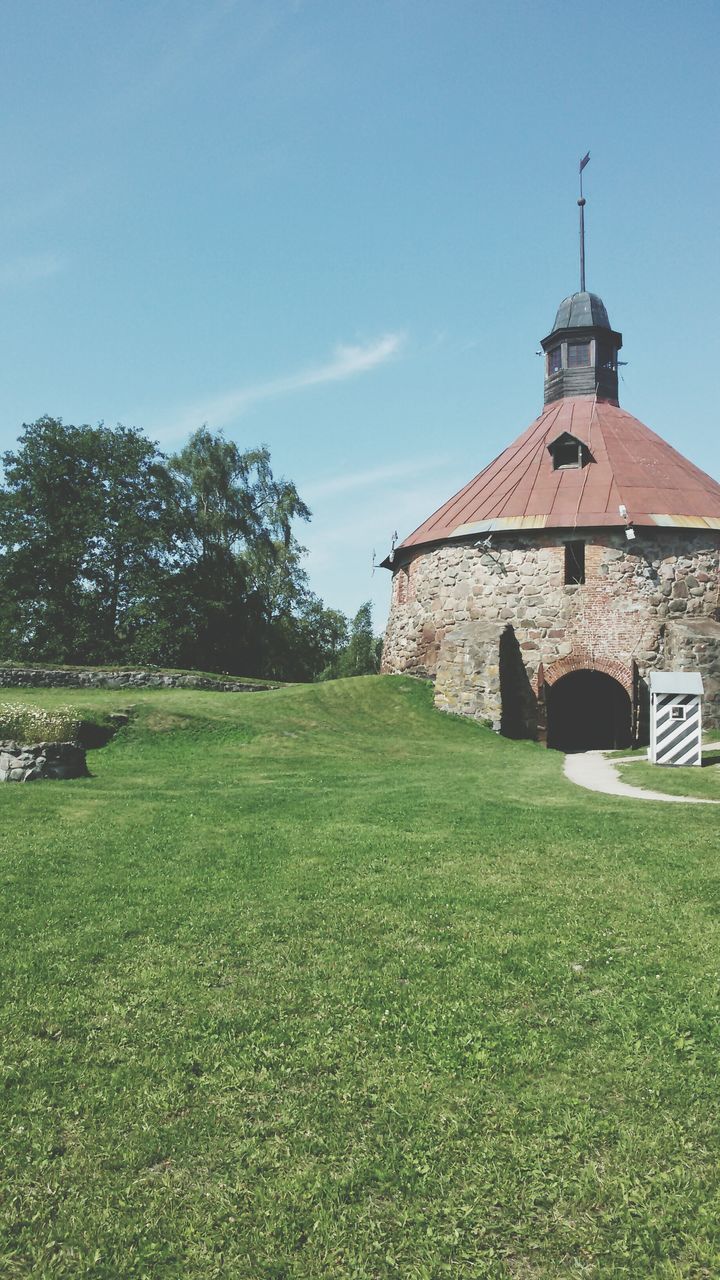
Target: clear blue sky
x,y
340,228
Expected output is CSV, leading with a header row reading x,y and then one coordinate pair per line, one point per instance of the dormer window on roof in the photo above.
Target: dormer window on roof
x,y
567,452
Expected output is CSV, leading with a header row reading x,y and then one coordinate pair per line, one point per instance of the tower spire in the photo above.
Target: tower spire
x,y
581,203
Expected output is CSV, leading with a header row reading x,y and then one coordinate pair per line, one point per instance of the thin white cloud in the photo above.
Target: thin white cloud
x,y
218,411
368,522
28,268
347,481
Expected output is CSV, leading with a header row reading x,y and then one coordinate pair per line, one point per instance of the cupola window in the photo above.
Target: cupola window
x,y
554,360
578,355
567,452
606,356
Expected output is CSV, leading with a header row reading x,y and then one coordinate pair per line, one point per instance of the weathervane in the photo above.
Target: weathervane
x,y
581,203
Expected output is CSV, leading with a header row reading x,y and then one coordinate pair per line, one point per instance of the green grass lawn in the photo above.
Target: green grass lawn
x,y
321,983
678,781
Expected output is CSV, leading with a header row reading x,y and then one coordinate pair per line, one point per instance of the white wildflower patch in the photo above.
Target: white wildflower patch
x,y
25,724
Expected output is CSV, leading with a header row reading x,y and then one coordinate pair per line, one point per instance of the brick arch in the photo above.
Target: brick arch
x,y
583,661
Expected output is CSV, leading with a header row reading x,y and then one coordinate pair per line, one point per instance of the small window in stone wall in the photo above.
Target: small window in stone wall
x,y
574,563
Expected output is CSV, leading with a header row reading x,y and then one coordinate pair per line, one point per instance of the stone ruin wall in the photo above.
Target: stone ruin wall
x,y
91,678
59,760
693,645
632,596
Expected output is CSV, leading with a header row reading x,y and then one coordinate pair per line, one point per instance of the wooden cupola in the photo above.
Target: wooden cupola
x,y
581,351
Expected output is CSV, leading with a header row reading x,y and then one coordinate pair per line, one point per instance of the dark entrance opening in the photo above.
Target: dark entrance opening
x,y
588,711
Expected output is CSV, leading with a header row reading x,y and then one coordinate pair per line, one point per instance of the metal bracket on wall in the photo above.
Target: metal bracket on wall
x,y
489,556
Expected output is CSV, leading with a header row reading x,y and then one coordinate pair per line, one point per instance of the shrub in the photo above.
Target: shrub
x,y
26,724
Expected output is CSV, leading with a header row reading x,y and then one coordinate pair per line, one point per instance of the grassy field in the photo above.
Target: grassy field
x,y
321,983
678,781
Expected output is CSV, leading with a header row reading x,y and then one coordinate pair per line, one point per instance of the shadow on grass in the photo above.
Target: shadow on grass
x,y
91,736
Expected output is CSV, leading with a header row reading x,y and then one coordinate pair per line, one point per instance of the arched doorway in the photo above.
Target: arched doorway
x,y
588,711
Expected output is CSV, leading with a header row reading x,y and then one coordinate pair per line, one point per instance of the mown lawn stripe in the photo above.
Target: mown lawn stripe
x,y
321,983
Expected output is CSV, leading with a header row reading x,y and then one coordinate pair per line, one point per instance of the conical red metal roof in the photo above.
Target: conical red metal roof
x,y
629,465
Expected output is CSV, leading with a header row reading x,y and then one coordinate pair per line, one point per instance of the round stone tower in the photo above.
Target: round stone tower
x,y
542,594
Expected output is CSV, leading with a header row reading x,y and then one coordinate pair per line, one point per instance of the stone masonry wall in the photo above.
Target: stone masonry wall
x,y
468,673
694,645
632,593
57,760
22,677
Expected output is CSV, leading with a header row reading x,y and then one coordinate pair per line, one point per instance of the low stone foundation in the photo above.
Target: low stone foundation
x,y
59,760
65,678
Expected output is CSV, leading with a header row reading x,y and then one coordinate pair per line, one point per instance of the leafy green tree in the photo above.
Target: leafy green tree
x,y
86,525
232,500
240,572
307,639
361,655
110,552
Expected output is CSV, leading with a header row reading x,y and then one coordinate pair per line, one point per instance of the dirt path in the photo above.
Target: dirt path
x,y
594,771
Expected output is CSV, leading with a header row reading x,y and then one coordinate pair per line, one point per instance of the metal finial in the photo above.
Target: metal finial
x,y
581,203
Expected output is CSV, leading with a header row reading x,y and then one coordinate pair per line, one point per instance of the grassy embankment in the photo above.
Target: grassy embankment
x,y
320,983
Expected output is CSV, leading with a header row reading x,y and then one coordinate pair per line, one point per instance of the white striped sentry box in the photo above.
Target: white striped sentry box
x,y
676,717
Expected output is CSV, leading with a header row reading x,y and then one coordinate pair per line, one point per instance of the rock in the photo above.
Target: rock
x,y
42,760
